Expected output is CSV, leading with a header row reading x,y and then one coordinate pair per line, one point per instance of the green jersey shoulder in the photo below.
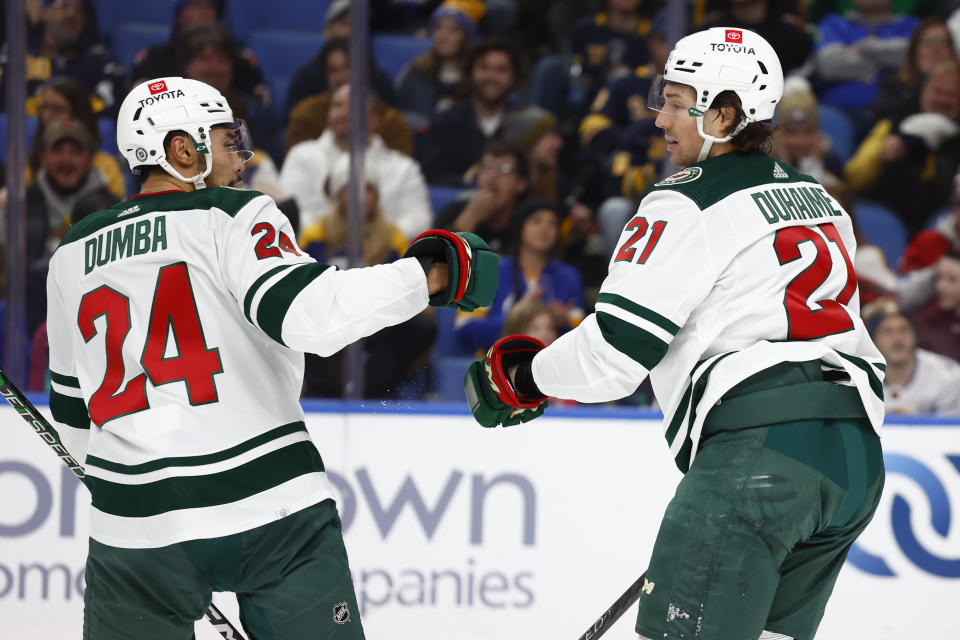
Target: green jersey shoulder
x,y
710,181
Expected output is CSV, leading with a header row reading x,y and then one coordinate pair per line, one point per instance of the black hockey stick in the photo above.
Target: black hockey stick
x,y
46,431
617,609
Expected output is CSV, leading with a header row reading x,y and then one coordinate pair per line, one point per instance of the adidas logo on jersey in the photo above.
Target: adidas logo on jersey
x,y
779,173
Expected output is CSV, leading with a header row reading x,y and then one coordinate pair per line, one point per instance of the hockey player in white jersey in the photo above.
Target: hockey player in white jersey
x,y
177,322
733,288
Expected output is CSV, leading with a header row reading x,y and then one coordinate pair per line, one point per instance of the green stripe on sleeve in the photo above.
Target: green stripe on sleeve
x,y
278,298
66,381
630,340
252,291
638,310
192,492
193,461
69,410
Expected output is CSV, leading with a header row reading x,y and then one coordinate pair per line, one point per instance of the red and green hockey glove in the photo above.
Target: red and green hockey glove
x,y
474,269
493,399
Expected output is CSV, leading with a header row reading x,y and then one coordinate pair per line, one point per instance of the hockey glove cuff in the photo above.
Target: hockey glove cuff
x,y
493,399
474,269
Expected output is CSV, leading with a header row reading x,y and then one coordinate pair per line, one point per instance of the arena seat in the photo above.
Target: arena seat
x,y
31,126
441,196
393,52
838,127
130,37
281,52
247,16
882,227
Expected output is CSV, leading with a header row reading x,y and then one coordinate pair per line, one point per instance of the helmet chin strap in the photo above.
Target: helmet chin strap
x,y
708,139
199,180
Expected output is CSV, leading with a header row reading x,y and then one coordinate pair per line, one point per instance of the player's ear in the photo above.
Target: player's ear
x,y
180,152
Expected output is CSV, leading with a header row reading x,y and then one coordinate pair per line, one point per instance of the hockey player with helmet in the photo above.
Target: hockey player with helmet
x,y
733,288
177,322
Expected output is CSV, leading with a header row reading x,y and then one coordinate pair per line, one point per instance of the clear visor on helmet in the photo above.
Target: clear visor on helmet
x,y
242,141
671,98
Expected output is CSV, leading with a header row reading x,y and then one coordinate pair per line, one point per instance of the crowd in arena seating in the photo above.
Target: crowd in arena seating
x,y
524,121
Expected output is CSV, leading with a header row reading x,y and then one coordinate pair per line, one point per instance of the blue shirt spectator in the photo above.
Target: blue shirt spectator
x,y
531,273
855,50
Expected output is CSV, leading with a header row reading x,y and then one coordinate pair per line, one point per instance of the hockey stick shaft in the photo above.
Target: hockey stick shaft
x,y
617,609
49,435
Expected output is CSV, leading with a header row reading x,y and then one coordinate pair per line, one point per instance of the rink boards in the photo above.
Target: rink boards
x,y
459,533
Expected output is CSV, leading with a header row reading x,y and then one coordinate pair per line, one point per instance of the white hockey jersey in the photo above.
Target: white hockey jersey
x,y
729,267
176,326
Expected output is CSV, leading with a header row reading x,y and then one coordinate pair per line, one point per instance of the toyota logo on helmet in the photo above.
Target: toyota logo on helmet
x,y
733,35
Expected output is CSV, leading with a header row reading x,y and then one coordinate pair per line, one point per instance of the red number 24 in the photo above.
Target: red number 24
x,y
803,322
174,312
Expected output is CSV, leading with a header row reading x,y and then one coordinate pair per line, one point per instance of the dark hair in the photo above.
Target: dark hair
x,y
198,38
331,45
495,44
756,136
80,109
909,74
953,254
501,148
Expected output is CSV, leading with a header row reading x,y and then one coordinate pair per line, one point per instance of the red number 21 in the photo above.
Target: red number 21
x,y
804,322
639,227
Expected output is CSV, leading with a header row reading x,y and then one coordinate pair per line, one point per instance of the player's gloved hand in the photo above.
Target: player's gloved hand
x,y
490,393
474,269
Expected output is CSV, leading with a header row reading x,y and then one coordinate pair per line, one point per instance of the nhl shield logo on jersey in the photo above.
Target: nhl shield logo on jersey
x,y
685,175
341,613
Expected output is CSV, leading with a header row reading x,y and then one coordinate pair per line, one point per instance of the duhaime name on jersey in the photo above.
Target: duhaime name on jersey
x,y
166,95
794,203
132,239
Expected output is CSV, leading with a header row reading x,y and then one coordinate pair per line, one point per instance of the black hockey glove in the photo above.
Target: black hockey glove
x,y
474,268
493,399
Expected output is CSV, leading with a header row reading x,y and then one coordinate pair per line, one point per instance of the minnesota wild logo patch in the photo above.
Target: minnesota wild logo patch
x,y
684,175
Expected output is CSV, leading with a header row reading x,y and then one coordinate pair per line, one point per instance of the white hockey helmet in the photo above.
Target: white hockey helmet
x,y
155,108
723,59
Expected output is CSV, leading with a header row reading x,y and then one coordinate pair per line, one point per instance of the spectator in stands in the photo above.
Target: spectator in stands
x,y
798,139
854,50
606,45
909,165
531,317
457,136
308,118
938,324
792,44
311,78
403,191
534,131
207,53
68,48
899,93
622,101
437,78
66,182
393,357
875,278
530,272
929,245
501,185
326,239
917,380
162,60
65,98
